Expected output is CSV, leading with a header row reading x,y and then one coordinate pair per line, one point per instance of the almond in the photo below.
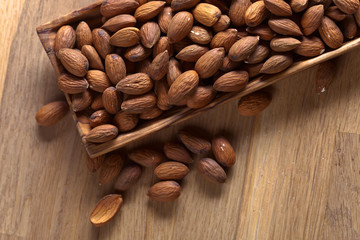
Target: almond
x,y
174,71
298,5
263,31
115,68
125,121
347,6
284,44
139,104
254,103
149,10
51,113
112,100
150,114
182,86
150,34
165,191
163,45
330,33
223,151
98,80
211,170
100,134
71,84
161,89
222,5
277,63
256,14
137,53
119,22
209,63
200,35
146,157
93,164
206,14
81,101
201,97
125,37
179,5
73,61
110,8
182,44
232,81
97,103
128,177
253,69
144,66
93,57
171,171
260,54
278,7
237,11
312,18
349,27
325,76
285,26
335,13
106,209
229,65
164,19
65,38
99,117
83,35
101,41
177,152
222,24
135,84
194,141
243,48
110,168
310,47
159,66
192,53
224,39
180,26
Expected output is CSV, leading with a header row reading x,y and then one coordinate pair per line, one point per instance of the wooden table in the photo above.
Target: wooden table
x,y
297,174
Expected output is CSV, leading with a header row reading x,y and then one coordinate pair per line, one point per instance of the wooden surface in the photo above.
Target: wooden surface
x,y
297,174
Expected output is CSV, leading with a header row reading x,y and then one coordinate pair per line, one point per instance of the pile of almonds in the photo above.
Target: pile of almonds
x,y
151,56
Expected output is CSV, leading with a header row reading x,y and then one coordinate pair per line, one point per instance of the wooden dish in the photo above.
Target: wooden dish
x,y
91,15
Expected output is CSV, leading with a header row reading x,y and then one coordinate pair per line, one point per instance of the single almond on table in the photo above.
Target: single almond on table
x,y
115,68
285,27
135,84
83,35
93,164
150,34
206,14
331,33
243,48
223,151
98,80
223,24
254,103
192,53
231,81
146,157
312,18
325,76
101,42
91,54
256,14
73,61
284,44
51,113
81,101
278,7
125,121
149,10
118,22
310,46
201,97
165,191
71,84
103,133
110,8
164,19
139,104
263,31
211,170
237,11
277,63
260,54
182,86
177,152
65,38
106,209
209,63
112,100
180,26
347,6
159,66
174,71
129,175
224,39
171,171
126,37
99,117
179,5
137,53
194,141
298,5
110,168
200,35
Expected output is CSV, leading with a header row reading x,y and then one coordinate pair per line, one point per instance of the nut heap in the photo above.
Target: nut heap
x,y
151,56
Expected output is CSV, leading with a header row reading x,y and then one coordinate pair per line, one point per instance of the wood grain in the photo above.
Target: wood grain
x,y
296,176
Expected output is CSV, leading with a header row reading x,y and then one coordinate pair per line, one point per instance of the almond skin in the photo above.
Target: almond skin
x,y
71,84
115,68
349,27
201,97
298,5
312,18
100,134
149,10
119,22
137,53
65,38
165,191
263,31
125,121
347,6
194,141
284,44
182,86
164,19
83,35
177,152
139,104
51,113
81,101
163,45
135,84
129,175
110,8
146,157
200,35
243,48
98,80
232,81
209,63
192,53
101,41
260,54
223,151
224,39
237,11
253,69
285,27
150,114
206,14
73,61
97,103
94,59
171,171
211,170
161,89
159,66
229,65
112,100
256,14
335,13
330,33
276,64
278,7
180,26
106,209
174,71
125,37
254,103
110,168
179,5
99,117
223,24
310,47
150,34
93,164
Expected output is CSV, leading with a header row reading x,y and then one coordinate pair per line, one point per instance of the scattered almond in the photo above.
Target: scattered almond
x,y
146,157
211,170
106,209
171,171
129,175
51,113
165,191
223,151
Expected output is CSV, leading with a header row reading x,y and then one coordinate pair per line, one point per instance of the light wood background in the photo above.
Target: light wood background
x,y
297,174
